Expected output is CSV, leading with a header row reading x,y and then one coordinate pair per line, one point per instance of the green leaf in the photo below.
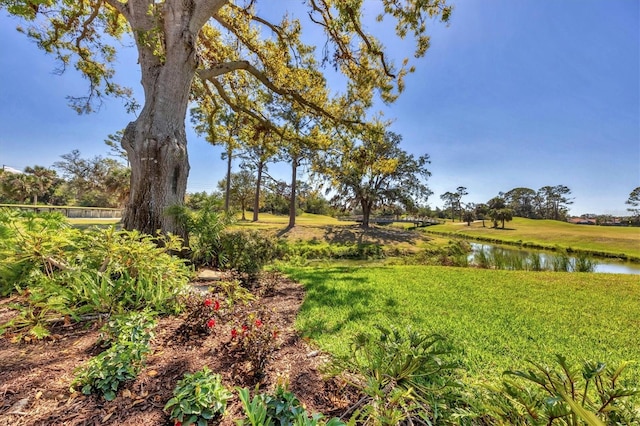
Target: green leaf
x,y
170,403
585,415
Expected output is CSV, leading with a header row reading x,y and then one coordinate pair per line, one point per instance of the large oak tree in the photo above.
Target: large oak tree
x,y
372,171
181,40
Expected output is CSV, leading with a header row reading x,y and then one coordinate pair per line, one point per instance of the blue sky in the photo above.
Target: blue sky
x,y
513,93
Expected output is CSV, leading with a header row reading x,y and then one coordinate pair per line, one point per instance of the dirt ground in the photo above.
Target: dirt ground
x,y
35,377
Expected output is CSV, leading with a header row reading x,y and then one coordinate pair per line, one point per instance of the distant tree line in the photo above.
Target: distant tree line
x,y
73,180
548,202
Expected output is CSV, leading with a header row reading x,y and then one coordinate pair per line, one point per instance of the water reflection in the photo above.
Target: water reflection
x,y
600,265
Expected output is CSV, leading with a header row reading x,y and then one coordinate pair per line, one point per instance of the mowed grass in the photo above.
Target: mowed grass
x,y
266,220
550,234
497,319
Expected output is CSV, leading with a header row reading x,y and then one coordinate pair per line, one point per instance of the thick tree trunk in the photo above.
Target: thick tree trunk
x,y
156,142
157,147
256,200
292,198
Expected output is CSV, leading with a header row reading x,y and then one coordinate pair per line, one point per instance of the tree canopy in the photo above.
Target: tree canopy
x,y
218,46
373,171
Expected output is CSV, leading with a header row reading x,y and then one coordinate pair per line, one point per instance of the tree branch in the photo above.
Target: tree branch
x,y
367,42
120,7
85,28
203,10
240,109
227,67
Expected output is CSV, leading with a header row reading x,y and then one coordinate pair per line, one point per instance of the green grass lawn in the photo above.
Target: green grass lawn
x,y
498,319
550,234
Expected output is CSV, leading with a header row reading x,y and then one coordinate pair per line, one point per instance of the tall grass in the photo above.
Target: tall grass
x,y
498,258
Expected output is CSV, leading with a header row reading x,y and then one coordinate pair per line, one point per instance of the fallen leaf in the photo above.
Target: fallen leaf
x,y
152,373
126,393
38,394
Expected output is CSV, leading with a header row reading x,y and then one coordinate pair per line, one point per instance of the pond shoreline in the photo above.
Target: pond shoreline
x,y
595,253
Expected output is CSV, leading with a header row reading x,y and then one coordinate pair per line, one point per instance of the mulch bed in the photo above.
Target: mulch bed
x,y
35,377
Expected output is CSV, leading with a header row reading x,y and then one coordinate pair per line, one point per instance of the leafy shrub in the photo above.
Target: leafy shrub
x,y
247,251
255,339
205,226
123,360
594,394
313,249
281,408
198,398
32,245
70,273
130,327
403,377
203,313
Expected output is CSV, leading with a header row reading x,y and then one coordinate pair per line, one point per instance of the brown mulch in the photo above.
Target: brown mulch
x,y
35,377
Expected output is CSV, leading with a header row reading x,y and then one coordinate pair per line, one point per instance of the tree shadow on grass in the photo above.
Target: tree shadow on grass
x,y
350,296
374,234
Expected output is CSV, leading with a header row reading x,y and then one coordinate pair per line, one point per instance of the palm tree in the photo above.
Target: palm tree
x,y
498,211
41,180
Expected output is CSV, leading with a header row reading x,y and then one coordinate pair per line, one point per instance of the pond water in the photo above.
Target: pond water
x,y
609,266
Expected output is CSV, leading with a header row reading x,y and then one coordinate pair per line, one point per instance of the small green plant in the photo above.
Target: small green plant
x,y
279,409
198,398
104,373
403,376
130,327
592,395
234,293
255,409
123,360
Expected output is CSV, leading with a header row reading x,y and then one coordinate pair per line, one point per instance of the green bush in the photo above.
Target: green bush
x,y
205,226
247,251
71,273
32,245
198,398
316,250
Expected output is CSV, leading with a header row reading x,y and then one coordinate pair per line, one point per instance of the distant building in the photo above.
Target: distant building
x,y
10,169
582,221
